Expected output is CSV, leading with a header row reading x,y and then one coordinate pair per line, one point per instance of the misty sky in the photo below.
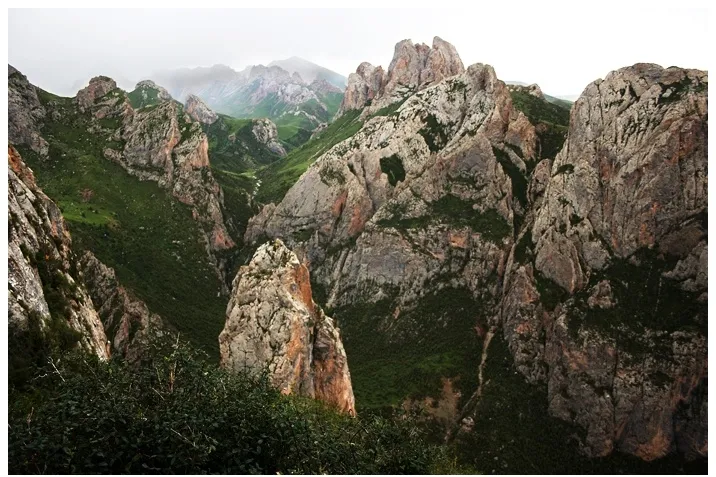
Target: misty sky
x,y
59,50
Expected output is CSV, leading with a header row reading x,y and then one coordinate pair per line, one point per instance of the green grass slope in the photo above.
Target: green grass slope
x,y
134,226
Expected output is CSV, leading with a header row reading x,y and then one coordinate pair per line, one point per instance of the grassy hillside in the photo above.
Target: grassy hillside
x,y
278,177
233,147
148,237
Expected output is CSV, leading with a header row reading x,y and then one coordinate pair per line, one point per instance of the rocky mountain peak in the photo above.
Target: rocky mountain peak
x,y
532,89
297,78
324,87
265,132
273,323
97,87
199,111
414,67
25,113
162,93
621,236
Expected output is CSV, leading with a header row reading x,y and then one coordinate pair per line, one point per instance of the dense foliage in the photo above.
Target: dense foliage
x,y
175,413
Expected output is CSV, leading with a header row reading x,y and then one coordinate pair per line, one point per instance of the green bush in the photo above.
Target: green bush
x,y
175,413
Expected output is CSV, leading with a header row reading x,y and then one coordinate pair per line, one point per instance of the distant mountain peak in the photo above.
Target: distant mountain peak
x,y
310,71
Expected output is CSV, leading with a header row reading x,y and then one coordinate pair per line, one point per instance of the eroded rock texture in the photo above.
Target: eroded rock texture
x,y
25,113
606,298
414,67
199,111
413,199
130,327
273,323
593,263
265,132
45,294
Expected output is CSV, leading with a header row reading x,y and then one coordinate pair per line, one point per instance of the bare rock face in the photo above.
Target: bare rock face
x,y
273,323
165,146
96,89
410,199
25,113
199,111
606,290
130,326
413,68
44,293
265,132
362,86
632,173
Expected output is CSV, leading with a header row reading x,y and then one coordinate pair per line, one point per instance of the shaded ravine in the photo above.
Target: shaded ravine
x,y
474,399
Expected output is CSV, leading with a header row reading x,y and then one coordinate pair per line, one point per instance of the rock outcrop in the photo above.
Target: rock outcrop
x,y
163,144
273,323
413,68
130,327
265,132
606,298
532,89
45,295
98,87
148,85
199,111
411,198
592,264
25,113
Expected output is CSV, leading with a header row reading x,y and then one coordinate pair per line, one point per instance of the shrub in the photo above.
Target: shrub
x,y
175,413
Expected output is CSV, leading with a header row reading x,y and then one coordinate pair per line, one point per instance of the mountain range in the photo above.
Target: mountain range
x,y
296,94
522,279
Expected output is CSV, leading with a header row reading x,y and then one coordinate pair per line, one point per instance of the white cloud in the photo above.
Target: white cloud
x,y
562,50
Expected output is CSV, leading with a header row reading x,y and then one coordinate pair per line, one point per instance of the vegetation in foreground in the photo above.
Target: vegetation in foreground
x,y
175,413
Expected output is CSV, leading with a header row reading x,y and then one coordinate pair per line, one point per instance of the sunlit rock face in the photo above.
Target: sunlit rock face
x,y
273,324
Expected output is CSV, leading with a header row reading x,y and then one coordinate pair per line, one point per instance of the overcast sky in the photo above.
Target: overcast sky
x,y
562,51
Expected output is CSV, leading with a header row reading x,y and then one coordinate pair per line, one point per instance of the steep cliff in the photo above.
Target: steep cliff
x,y
605,299
48,306
589,263
130,327
198,110
25,112
167,225
413,68
273,323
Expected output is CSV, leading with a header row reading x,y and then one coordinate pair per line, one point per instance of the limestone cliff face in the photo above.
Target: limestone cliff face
x,y
592,264
45,293
199,111
273,323
411,198
161,143
265,132
413,68
130,327
98,87
25,113
605,298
